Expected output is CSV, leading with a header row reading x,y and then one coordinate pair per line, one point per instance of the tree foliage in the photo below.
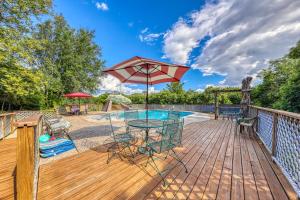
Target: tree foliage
x,y
41,62
280,87
175,94
70,60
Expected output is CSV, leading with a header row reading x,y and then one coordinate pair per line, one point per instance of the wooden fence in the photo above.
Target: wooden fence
x,y
6,124
280,133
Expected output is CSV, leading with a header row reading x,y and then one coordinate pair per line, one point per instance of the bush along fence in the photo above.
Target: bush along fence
x,y
280,133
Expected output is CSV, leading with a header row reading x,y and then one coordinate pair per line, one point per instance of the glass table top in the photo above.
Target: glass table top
x,y
144,123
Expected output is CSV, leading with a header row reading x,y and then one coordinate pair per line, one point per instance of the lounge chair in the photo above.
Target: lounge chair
x,y
57,125
63,110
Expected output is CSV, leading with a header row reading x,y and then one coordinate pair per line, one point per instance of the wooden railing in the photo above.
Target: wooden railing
x,y
28,131
6,124
280,133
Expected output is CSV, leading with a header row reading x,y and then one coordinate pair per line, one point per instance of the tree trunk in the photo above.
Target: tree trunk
x,y
2,107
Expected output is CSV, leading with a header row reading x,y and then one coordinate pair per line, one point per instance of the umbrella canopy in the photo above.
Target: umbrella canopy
x,y
146,71
77,95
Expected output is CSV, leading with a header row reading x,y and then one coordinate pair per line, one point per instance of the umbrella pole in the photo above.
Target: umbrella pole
x,y
147,94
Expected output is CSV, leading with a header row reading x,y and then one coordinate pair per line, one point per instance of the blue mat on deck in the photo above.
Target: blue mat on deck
x,y
55,147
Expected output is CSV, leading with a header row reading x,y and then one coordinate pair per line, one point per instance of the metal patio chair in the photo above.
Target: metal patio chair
x,y
170,138
132,115
122,141
246,124
173,116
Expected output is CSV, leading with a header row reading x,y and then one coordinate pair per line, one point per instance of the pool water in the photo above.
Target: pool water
x,y
155,114
152,114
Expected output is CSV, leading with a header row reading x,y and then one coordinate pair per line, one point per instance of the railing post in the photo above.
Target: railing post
x,y
28,131
216,106
274,133
2,132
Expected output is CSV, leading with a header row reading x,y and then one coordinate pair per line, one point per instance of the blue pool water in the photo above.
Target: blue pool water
x,y
152,114
156,114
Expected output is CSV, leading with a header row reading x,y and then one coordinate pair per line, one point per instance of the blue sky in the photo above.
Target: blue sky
x,y
223,40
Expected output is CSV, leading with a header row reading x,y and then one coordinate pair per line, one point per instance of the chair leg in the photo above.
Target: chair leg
x,y
157,170
114,153
108,151
147,161
167,155
179,160
128,146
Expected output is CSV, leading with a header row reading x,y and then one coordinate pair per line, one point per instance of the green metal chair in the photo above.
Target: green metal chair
x,y
122,141
171,137
246,124
132,115
174,115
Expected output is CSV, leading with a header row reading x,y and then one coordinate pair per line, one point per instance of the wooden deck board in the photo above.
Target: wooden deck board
x,y
221,164
185,182
191,150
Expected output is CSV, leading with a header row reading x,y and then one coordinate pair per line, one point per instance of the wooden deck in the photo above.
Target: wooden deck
x,y
221,164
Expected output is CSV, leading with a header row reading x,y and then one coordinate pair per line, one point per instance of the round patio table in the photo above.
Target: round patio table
x,y
146,124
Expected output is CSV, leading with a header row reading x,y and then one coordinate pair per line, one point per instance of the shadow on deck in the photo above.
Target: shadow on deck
x,y
221,164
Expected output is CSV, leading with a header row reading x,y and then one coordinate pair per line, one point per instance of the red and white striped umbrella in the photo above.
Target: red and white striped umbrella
x,y
146,71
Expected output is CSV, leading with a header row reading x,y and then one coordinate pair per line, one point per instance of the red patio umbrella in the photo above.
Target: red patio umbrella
x,y
78,95
146,71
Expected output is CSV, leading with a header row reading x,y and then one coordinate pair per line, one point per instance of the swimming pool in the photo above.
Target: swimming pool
x,y
152,114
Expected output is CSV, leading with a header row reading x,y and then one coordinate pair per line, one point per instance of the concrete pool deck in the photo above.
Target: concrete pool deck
x,y
88,133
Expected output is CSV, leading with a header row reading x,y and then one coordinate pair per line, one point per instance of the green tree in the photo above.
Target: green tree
x,y
138,98
20,87
175,87
71,61
16,18
280,83
18,84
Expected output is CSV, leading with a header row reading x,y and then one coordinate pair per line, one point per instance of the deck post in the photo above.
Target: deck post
x,y
274,133
216,106
28,131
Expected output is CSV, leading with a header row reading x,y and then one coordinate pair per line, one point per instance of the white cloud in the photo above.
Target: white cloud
x,y
147,37
109,83
101,6
152,90
242,36
200,90
144,30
